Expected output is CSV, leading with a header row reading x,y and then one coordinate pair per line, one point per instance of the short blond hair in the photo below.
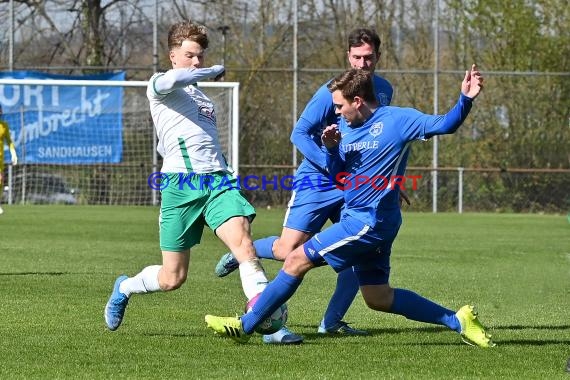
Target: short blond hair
x,y
186,30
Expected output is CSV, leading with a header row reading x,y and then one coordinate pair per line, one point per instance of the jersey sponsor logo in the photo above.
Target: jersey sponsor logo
x,y
376,129
206,109
207,112
361,145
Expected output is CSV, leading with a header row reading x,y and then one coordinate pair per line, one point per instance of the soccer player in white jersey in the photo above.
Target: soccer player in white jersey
x,y
200,189
369,151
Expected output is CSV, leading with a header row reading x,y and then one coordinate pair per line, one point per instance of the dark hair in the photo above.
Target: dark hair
x,y
354,82
186,30
361,36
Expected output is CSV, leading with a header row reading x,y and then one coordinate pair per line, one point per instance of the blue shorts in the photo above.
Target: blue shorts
x,y
310,217
315,199
350,242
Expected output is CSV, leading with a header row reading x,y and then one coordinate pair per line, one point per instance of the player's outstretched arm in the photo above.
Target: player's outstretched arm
x,y
427,126
472,82
179,78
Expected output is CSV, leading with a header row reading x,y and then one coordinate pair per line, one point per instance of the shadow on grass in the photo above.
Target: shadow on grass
x,y
172,335
500,343
532,327
34,273
373,332
438,329
313,338
531,342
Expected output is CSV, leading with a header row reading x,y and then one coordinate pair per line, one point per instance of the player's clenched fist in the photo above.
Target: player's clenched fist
x,y
331,136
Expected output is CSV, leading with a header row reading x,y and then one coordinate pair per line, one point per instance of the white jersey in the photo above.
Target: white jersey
x,y
185,121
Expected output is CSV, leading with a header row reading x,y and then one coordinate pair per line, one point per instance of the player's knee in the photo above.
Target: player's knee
x,y
281,250
378,305
297,263
378,298
172,281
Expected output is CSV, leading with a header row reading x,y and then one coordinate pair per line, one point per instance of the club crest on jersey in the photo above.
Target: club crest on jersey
x,y
376,129
207,112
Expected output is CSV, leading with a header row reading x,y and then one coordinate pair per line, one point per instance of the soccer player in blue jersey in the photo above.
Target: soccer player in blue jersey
x,y
368,149
314,201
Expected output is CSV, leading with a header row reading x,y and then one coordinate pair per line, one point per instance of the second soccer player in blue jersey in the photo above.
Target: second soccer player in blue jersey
x,y
315,199
369,148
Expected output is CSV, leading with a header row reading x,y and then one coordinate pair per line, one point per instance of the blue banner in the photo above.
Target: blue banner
x,y
64,124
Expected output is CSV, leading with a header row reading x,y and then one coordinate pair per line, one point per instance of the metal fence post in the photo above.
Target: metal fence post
x,y
460,190
10,183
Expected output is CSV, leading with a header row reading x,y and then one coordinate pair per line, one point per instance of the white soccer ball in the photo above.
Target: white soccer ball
x,y
274,322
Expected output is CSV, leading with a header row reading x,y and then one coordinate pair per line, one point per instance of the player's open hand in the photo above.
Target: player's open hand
x,y
331,136
472,83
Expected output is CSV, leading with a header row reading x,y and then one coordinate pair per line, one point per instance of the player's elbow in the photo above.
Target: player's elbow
x,y
444,130
295,137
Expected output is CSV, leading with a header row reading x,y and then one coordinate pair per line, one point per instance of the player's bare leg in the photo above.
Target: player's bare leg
x,y
166,277
236,235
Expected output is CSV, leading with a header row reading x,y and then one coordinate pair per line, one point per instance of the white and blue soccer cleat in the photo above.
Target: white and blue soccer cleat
x,y
227,264
283,336
115,308
340,328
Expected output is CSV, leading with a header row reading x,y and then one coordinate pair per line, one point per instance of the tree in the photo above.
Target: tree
x,y
78,34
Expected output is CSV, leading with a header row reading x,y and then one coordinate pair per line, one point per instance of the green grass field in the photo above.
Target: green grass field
x,y
58,264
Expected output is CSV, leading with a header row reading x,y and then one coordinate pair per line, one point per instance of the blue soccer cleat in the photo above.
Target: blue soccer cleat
x,y
115,308
283,336
341,328
227,264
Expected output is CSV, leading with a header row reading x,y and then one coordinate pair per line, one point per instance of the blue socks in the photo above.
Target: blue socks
x,y
264,247
275,294
346,289
415,307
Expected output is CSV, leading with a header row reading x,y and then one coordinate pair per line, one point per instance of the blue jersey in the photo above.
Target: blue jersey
x,y
373,155
318,114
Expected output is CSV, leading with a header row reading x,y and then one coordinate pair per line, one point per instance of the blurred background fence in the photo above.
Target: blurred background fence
x,y
514,147
459,189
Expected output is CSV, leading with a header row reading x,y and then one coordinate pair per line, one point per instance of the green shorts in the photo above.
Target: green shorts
x,y
190,201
